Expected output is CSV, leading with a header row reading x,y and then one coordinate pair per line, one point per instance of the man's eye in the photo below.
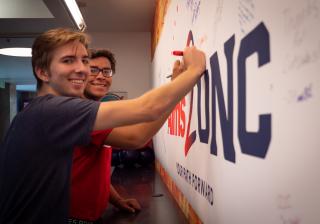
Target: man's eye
x,y
68,60
107,71
94,70
85,61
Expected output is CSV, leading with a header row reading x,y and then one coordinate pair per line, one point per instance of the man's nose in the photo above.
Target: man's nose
x,y
82,67
100,75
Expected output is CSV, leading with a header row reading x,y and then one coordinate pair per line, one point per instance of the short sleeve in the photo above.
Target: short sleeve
x,y
98,137
68,121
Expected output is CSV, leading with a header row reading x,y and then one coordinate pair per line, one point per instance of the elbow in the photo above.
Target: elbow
x,y
156,113
137,141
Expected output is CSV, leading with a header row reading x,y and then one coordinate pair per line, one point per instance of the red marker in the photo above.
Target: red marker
x,y
177,53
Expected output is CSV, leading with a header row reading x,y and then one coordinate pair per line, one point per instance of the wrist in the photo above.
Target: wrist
x,y
118,201
115,200
195,70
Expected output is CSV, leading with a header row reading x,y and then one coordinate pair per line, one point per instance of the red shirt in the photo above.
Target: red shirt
x,y
90,178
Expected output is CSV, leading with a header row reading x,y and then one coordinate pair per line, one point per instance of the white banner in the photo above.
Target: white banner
x,y
246,151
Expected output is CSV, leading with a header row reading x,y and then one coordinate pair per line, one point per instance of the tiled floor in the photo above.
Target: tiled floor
x,y
144,184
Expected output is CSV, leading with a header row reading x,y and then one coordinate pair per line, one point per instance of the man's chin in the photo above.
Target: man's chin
x,y
75,94
101,92
99,96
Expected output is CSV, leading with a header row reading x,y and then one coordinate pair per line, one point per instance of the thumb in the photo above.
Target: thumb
x,y
130,209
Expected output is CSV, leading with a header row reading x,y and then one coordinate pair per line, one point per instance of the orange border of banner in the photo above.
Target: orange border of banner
x,y
181,200
158,22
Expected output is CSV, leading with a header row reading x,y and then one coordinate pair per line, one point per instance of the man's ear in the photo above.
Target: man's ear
x,y
42,74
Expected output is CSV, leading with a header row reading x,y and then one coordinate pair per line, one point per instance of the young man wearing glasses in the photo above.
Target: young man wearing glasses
x,y
91,188
36,154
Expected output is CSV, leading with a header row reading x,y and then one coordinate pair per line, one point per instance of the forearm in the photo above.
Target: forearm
x,y
114,196
135,136
145,131
124,204
167,96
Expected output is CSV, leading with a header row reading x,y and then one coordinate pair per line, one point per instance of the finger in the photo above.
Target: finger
x,y
176,64
176,69
126,207
130,209
182,67
134,204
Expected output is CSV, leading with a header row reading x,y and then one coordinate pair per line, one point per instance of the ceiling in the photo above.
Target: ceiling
x,y
22,20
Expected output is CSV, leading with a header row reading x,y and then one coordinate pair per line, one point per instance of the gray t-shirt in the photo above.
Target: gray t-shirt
x,y
36,158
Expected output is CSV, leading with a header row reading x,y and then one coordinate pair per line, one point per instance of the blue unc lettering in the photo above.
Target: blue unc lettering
x,y
226,120
203,132
253,143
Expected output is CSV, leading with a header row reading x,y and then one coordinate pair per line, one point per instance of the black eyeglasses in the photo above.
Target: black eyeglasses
x,y
106,72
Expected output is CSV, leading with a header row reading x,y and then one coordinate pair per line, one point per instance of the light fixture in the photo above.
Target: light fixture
x,y
16,51
76,14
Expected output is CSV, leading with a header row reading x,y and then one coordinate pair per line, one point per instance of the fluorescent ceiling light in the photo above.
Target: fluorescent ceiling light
x,y
76,14
16,51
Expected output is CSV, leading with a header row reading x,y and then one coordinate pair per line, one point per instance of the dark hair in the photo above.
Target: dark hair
x,y
50,40
98,53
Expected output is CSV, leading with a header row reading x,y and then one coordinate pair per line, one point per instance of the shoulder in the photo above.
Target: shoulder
x,y
53,108
63,102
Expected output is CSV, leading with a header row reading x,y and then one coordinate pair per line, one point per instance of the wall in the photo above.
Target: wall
x,y
7,107
246,150
132,51
13,101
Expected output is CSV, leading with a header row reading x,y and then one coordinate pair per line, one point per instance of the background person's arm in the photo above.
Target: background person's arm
x,y
153,104
124,204
136,136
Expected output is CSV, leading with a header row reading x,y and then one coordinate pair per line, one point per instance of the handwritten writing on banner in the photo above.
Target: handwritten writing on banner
x,y
301,25
246,14
194,7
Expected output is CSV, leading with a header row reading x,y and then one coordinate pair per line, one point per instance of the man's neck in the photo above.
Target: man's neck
x,y
91,97
43,90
